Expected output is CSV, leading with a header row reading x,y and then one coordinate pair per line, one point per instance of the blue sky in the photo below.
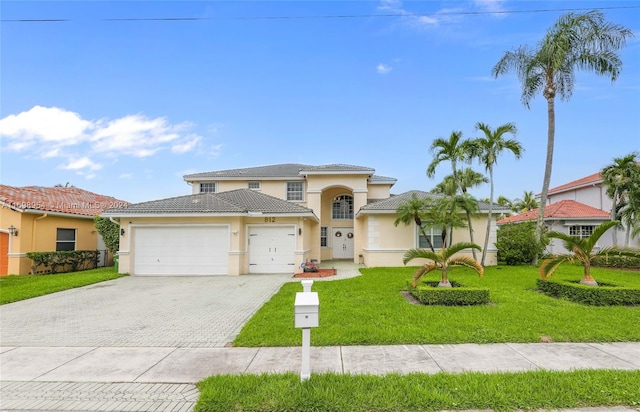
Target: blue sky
x,y
126,108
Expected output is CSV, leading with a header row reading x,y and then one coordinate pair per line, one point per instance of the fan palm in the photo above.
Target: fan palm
x,y
575,41
583,251
443,260
488,149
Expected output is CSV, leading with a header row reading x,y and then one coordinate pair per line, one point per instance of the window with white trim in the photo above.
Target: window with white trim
x,y
208,187
581,231
253,185
435,236
65,239
324,242
342,207
295,191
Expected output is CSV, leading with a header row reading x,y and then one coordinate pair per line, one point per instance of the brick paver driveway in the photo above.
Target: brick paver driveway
x,y
140,311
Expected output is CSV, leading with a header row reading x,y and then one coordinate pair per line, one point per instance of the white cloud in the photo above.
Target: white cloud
x,y
383,68
493,6
82,163
46,130
125,176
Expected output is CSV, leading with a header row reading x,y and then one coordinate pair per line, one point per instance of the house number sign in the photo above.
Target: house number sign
x,y
269,220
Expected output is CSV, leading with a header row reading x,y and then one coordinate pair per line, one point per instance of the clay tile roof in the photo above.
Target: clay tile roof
x,y
71,200
564,209
585,181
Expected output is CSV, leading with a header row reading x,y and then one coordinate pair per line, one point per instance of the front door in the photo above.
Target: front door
x,y
342,243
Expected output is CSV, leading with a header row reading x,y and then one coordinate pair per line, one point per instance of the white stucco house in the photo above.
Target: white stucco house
x,y
271,219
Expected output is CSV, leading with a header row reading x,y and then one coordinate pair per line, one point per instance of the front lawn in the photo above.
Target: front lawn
x,y
18,287
369,310
536,390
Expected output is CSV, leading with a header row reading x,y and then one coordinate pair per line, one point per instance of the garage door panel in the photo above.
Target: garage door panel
x,y
272,249
200,250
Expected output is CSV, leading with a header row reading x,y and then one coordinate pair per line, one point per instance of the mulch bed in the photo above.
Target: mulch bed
x,y
321,273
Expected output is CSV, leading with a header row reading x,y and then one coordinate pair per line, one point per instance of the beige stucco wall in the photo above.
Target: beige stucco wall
x,y
37,233
379,191
384,244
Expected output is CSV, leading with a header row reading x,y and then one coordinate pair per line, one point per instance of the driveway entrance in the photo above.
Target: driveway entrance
x,y
197,312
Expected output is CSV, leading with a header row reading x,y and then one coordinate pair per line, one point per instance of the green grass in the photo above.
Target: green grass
x,y
369,310
14,288
420,392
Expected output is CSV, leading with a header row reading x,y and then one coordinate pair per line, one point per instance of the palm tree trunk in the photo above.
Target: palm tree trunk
x,y
473,251
444,280
486,236
551,132
614,232
588,279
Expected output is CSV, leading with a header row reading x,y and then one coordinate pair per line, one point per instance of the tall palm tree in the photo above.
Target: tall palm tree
x,y
583,252
488,148
527,203
619,177
443,260
414,210
575,41
453,150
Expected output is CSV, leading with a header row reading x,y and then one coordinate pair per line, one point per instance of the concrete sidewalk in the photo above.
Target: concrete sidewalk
x,y
65,378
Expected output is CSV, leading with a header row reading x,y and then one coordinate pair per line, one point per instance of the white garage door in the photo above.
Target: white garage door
x,y
272,249
184,250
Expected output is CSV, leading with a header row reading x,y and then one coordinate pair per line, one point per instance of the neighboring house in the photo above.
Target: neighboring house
x,y
566,216
271,219
44,219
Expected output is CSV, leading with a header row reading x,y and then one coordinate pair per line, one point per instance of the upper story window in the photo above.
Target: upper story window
x,y
435,237
253,185
295,191
581,231
208,187
65,239
342,207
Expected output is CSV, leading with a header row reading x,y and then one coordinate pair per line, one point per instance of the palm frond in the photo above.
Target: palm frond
x,y
468,262
420,254
460,246
549,266
423,270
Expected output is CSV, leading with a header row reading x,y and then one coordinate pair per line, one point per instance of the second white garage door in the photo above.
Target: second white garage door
x,y
272,249
181,250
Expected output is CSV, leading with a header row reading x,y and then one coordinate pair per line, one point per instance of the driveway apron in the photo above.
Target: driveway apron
x,y
196,312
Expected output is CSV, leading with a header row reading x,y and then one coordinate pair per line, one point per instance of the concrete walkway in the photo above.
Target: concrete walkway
x,y
147,379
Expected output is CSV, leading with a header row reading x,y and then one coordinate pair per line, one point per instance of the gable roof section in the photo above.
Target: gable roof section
x,y
233,203
576,184
65,200
564,209
292,171
391,204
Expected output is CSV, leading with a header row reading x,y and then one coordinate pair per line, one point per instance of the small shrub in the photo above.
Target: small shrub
x,y
601,295
429,294
517,244
63,261
621,262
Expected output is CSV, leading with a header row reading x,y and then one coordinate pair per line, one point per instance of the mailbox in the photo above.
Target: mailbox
x,y
306,309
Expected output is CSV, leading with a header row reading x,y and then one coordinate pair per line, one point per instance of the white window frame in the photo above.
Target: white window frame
x,y
435,233
324,236
213,185
64,241
342,214
295,195
254,183
581,231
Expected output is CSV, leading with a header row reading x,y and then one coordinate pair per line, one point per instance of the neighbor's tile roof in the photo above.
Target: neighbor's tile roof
x,y
287,171
585,181
71,200
392,203
234,202
564,209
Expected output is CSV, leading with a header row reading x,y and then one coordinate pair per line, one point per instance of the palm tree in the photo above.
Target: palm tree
x,y
414,210
453,150
575,41
443,260
583,252
445,214
619,177
488,148
527,203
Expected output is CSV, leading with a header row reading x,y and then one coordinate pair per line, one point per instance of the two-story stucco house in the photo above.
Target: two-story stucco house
x,y
576,208
271,219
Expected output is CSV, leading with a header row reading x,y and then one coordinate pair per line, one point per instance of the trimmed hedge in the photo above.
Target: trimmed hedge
x,y
63,261
602,295
620,262
429,294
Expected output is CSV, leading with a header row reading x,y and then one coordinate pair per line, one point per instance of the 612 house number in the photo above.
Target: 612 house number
x,y
269,220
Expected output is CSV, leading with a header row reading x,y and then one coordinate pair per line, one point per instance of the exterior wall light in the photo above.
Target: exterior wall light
x,y
13,231
121,231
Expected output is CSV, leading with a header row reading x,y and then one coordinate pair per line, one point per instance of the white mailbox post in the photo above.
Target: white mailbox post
x,y
306,308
